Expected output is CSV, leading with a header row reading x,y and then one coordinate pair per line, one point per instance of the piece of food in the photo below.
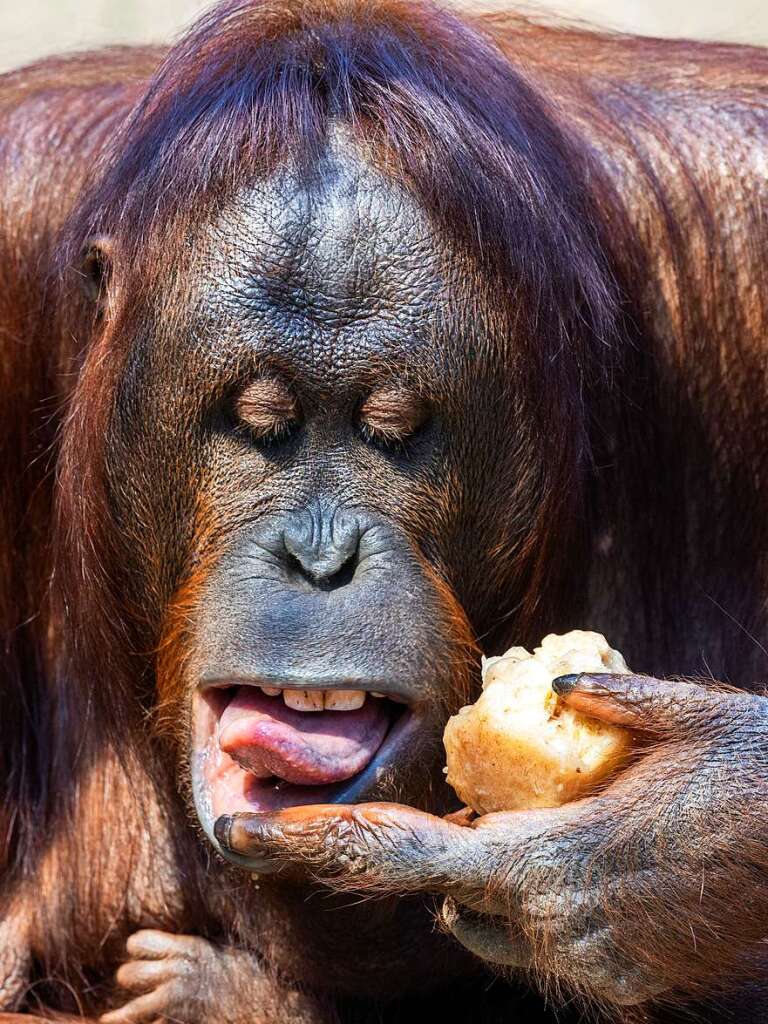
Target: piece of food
x,y
520,746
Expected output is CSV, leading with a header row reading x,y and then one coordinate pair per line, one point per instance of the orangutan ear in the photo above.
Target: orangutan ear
x,y
96,270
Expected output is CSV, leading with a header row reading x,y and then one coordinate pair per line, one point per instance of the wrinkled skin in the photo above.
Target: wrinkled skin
x,y
186,978
549,892
345,303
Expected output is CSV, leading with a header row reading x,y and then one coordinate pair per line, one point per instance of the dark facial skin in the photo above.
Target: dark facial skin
x,y
323,404
334,287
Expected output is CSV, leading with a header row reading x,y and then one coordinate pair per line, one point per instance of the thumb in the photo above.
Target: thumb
x,y
661,707
377,846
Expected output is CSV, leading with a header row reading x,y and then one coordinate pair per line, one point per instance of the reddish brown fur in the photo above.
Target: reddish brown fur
x,y
675,352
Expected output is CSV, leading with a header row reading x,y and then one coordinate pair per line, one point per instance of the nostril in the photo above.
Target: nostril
x,y
328,573
342,577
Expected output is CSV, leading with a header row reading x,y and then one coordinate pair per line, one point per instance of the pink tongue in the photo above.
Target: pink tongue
x,y
310,748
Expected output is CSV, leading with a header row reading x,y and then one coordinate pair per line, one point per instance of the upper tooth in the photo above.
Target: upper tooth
x,y
317,700
304,700
344,700
374,693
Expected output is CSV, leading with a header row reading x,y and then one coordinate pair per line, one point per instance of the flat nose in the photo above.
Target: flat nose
x,y
324,548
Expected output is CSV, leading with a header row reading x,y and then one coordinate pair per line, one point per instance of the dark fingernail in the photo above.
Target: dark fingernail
x,y
222,829
564,684
237,840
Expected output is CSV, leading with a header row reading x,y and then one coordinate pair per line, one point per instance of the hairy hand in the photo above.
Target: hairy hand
x,y
168,976
620,896
188,980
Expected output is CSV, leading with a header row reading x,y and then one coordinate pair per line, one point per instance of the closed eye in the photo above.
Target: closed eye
x,y
268,410
392,415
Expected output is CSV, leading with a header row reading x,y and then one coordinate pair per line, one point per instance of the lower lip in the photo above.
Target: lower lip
x,y
285,794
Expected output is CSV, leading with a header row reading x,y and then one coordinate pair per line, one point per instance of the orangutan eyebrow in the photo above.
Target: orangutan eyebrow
x,y
393,413
268,407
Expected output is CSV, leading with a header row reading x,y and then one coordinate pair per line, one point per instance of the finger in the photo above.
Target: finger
x,y
656,706
361,846
493,939
142,975
465,816
153,944
139,1011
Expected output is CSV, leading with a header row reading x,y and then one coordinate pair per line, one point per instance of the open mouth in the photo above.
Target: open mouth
x,y
264,748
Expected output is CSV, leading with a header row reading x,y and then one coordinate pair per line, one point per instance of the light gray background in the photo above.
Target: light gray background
x,y
33,28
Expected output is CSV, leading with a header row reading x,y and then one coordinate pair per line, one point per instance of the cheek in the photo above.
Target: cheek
x,y
175,674
154,466
173,667
462,645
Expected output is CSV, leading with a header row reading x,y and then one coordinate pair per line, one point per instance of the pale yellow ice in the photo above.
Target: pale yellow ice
x,y
519,746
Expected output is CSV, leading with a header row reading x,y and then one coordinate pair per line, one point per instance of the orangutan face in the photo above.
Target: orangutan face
x,y
328,404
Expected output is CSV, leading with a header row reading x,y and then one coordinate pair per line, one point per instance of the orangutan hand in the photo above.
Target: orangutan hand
x,y
657,883
188,980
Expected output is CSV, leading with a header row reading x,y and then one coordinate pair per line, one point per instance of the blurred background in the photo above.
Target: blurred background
x,y
33,28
